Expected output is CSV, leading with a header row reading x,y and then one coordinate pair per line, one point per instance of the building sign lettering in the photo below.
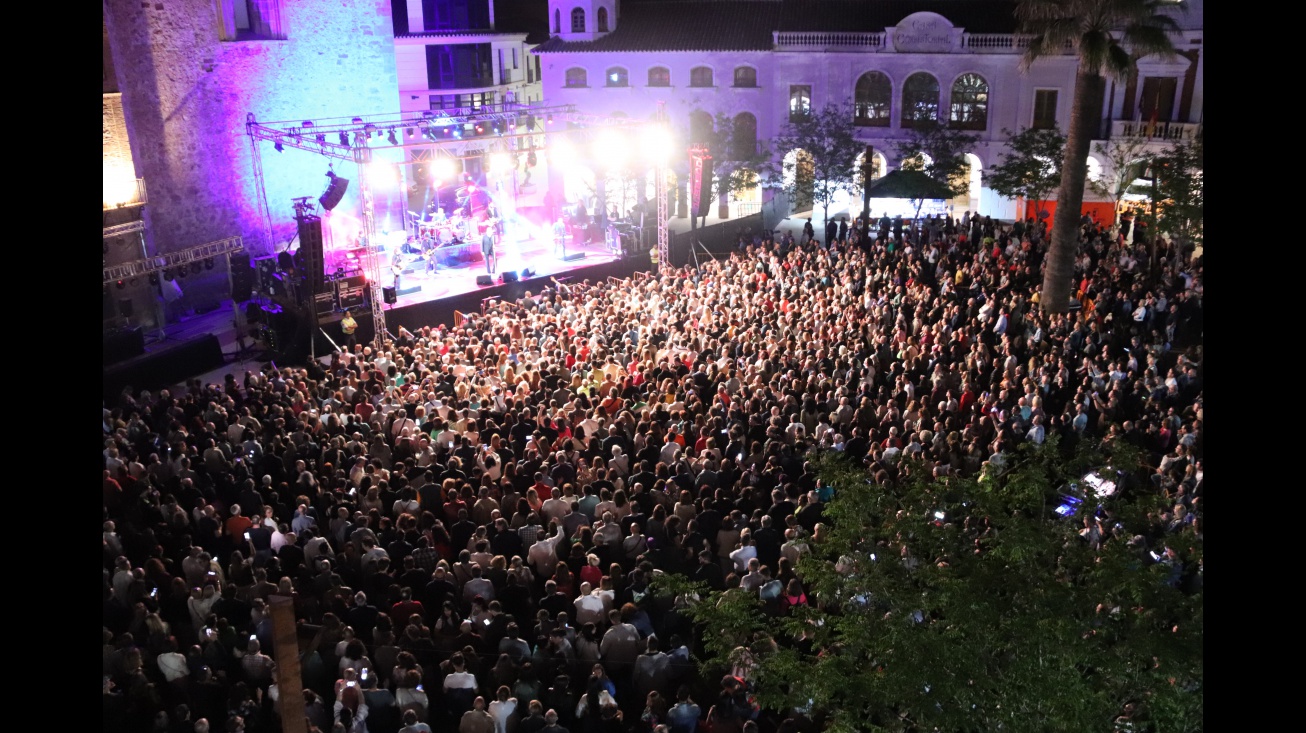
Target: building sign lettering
x,y
923,33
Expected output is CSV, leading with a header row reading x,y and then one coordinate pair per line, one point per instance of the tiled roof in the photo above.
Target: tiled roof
x,y
523,16
685,25
873,16
747,25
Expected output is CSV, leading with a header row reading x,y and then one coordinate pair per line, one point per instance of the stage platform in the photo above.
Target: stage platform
x,y
455,271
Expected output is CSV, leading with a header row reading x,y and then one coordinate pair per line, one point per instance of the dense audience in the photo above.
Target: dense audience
x,y
465,524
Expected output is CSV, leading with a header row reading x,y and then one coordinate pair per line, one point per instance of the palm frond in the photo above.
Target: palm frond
x,y
1147,39
1118,63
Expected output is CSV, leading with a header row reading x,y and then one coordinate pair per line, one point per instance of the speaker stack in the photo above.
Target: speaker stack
x,y
335,191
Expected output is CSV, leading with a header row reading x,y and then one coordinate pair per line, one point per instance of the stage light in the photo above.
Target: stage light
x,y
500,163
549,120
391,137
196,268
122,285
443,169
306,123
279,147
154,278
410,131
457,132
530,122
657,145
480,130
167,274
344,138
610,149
321,138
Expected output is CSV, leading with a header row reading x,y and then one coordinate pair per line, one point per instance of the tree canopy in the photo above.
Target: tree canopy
x,y
827,138
1032,168
972,605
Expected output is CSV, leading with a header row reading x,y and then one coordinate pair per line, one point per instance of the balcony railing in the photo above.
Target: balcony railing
x,y
1013,43
859,41
1160,131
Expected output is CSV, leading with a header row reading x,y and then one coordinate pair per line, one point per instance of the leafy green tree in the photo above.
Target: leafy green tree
x,y
970,605
1123,157
1108,36
1032,168
826,136
939,152
1180,196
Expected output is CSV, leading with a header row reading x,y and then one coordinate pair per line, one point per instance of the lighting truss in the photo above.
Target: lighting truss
x,y
144,266
119,230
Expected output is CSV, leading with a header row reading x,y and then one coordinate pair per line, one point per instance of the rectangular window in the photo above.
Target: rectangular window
x,y
800,101
455,15
1045,109
504,76
1157,101
459,66
514,58
250,20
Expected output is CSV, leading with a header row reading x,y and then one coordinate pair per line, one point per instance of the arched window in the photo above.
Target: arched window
x,y
745,76
659,76
700,127
872,100
577,20
700,76
743,139
920,99
576,77
557,21
970,103
616,77
603,20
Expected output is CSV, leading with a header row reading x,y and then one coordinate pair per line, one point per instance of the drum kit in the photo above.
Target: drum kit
x,y
452,230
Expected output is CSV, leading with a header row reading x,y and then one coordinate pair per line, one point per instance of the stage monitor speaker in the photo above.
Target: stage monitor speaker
x,y
390,295
483,280
334,193
705,191
242,277
508,276
572,256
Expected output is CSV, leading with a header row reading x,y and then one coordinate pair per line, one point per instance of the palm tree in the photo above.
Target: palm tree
x,y
1108,36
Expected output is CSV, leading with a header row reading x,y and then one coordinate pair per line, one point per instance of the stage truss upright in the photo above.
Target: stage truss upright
x,y
660,178
370,262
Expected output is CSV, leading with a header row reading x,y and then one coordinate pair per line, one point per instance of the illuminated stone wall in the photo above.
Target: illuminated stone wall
x,y
186,93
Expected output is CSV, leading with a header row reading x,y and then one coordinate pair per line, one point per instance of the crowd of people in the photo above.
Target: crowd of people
x,y
465,523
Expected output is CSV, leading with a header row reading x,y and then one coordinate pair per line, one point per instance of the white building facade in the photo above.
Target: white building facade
x,y
889,59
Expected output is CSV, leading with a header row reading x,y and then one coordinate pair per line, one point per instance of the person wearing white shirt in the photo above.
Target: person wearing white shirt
x,y
543,555
173,663
503,709
590,607
746,551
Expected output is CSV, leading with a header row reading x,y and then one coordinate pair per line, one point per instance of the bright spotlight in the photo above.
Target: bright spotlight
x,y
500,163
610,149
442,169
657,145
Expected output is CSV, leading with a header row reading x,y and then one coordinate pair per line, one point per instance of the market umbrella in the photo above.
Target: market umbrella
x,y
902,184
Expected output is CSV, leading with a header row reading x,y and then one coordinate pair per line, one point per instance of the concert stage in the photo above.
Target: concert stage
x,y
455,274
452,291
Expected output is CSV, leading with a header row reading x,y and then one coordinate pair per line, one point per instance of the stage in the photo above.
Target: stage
x,y
456,266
